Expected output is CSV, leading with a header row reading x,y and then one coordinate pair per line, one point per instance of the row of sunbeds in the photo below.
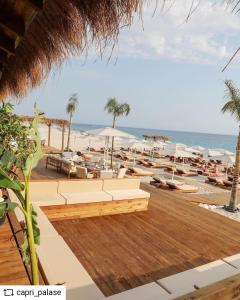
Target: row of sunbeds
x,y
222,183
174,185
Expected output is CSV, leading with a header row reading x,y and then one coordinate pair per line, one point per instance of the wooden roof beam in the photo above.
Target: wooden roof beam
x,y
36,4
7,44
13,22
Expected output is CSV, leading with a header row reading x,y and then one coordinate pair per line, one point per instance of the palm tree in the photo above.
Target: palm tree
x,y
70,109
117,110
233,107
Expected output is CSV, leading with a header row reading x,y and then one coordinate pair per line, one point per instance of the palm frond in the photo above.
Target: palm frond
x,y
232,96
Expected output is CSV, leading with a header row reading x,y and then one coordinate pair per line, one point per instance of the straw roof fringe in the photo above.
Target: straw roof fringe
x,y
62,28
46,121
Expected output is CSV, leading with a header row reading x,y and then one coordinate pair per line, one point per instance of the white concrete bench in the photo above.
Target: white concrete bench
x,y
45,193
233,260
61,266
151,291
187,281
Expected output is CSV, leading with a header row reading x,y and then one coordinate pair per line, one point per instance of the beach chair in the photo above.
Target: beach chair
x,y
82,173
68,167
143,162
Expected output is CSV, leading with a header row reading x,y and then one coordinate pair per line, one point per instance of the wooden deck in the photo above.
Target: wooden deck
x,y
12,270
121,252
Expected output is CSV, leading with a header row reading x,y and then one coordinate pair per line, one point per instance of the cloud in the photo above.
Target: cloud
x,y
209,36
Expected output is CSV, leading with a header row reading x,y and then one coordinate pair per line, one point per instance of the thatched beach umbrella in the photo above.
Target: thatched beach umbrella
x,y
35,35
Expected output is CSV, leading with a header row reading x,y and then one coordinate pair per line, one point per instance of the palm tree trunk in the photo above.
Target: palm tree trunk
x,y
113,126
69,132
233,199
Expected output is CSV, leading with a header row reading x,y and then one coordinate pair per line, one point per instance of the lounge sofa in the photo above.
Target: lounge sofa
x,y
83,191
124,189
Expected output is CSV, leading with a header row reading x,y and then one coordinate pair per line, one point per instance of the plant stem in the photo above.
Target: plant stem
x,y
30,236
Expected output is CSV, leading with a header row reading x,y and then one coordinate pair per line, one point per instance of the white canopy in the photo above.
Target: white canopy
x,y
110,132
225,158
209,153
177,153
224,151
140,146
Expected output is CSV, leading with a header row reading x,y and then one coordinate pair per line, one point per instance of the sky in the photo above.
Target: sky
x,y
167,69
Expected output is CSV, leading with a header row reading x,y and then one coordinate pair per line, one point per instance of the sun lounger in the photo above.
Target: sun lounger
x,y
182,187
143,162
214,181
140,172
160,182
182,172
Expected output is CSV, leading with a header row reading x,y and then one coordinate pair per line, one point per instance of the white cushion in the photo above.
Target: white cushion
x,y
151,291
79,186
87,197
184,282
128,194
48,199
61,266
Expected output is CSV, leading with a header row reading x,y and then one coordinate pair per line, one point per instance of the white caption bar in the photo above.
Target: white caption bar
x,y
30,292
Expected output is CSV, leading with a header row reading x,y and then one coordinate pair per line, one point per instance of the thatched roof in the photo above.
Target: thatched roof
x,y
36,34
155,137
46,121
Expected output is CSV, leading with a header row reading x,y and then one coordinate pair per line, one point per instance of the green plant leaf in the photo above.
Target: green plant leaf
x,y
34,158
7,159
7,206
8,183
25,252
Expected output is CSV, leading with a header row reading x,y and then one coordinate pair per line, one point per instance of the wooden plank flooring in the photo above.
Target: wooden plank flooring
x,y
12,270
121,252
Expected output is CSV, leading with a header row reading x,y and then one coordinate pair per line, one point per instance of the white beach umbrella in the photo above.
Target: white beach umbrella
x,y
177,153
109,132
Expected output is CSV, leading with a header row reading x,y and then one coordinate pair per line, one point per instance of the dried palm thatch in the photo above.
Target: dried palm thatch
x,y
62,28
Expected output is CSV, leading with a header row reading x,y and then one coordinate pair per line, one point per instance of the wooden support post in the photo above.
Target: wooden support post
x,y
63,132
49,134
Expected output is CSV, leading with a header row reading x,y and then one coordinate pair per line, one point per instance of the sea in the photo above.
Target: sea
x,y
207,140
